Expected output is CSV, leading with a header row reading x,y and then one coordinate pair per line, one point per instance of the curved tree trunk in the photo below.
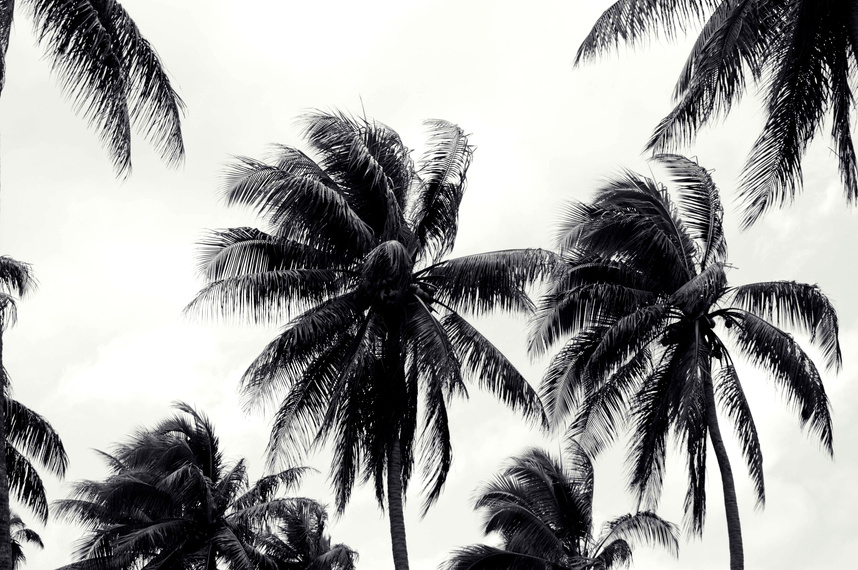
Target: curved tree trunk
x,y
394,508
5,536
731,505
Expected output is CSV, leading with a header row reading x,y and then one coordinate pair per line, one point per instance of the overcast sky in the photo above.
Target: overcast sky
x,y
103,348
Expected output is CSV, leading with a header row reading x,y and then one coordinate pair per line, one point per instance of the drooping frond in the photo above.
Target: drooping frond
x,y
732,43
732,399
641,528
484,557
780,356
799,306
112,75
25,484
484,364
434,205
33,436
16,277
796,98
630,21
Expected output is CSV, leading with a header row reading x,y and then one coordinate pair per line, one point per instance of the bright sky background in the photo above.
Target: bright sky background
x,y
103,348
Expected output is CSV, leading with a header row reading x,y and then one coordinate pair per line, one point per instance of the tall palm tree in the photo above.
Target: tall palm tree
x,y
24,434
643,293
22,534
801,53
109,71
173,502
542,510
353,259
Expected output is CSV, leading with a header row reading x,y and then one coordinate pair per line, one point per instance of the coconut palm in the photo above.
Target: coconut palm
x,y
299,542
109,71
353,259
802,55
171,501
23,433
643,293
22,534
542,511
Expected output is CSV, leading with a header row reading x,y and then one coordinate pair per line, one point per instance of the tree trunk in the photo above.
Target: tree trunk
x,y
731,505
5,536
394,507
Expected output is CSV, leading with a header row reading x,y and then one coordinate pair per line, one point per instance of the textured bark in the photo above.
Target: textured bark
x,y
394,508
5,537
731,505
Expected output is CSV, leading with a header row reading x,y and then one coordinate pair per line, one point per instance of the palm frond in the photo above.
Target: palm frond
x,y
16,277
779,354
799,306
434,206
485,364
644,527
484,557
25,484
732,399
112,76
630,21
796,100
33,436
479,283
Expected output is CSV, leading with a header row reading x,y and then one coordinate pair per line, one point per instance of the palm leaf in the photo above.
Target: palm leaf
x,y
33,436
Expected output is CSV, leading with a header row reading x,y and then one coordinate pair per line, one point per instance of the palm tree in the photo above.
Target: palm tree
x,y
643,292
299,542
542,510
353,258
109,71
23,433
801,53
22,534
173,502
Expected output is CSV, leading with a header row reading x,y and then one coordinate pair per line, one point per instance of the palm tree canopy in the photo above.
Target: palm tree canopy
x,y
802,55
353,259
109,71
643,294
16,280
542,511
172,501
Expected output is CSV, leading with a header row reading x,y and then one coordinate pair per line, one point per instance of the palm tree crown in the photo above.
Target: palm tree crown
x,y
173,502
803,55
643,291
354,256
542,510
110,72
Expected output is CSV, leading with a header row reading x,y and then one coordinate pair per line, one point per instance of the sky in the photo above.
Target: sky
x,y
103,347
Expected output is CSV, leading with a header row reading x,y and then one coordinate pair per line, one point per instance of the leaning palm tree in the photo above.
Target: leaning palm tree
x,y
643,292
173,502
542,511
22,534
353,260
24,434
801,53
109,71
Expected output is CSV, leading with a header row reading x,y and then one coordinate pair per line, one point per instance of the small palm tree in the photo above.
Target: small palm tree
x,y
172,502
24,434
353,260
643,291
542,511
299,542
110,72
21,535
802,54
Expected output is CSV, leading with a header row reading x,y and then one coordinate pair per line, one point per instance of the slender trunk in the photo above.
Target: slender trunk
x,y
5,536
394,507
731,505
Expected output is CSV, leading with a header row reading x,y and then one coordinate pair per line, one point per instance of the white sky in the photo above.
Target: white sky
x,y
102,347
